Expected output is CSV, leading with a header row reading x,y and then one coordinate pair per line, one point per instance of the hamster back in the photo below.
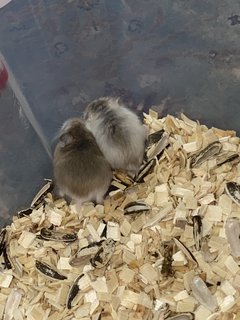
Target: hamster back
x,y
118,132
80,169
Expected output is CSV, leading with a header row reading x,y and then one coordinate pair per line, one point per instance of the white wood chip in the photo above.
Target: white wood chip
x,y
214,213
100,285
83,311
201,313
162,213
148,272
129,299
227,288
225,203
186,305
94,305
12,303
84,283
90,296
5,279
63,264
228,303
209,198
191,146
179,191
161,195
136,238
94,234
231,265
113,231
26,239
150,199
100,228
181,295
54,217
126,275
179,256
125,228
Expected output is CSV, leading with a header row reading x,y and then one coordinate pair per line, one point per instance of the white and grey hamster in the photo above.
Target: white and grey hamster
x,y
80,169
119,133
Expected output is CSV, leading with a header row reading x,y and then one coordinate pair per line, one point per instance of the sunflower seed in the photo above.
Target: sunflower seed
x,y
161,306
136,207
167,270
182,159
232,230
24,212
211,150
85,254
197,231
73,292
79,261
145,170
227,157
48,234
48,187
3,249
163,312
7,262
2,239
185,250
203,294
154,138
91,249
156,149
233,191
104,254
48,271
104,232
158,216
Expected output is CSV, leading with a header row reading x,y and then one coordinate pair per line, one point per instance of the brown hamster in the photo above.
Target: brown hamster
x,y
119,133
80,169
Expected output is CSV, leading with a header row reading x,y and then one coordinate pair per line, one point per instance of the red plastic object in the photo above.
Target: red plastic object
x,y
3,76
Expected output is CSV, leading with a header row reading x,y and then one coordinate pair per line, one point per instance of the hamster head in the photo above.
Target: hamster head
x,y
95,107
74,130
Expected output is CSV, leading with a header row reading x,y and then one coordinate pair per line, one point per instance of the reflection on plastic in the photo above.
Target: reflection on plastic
x,y
24,105
4,3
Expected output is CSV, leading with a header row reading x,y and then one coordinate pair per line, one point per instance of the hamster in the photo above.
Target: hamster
x,y
80,170
119,133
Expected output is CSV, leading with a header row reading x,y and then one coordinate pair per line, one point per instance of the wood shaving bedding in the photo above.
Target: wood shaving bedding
x,y
164,247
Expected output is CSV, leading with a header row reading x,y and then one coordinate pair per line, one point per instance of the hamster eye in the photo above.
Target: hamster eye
x,y
66,139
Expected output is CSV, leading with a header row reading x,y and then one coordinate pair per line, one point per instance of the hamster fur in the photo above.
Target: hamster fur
x,y
119,133
80,169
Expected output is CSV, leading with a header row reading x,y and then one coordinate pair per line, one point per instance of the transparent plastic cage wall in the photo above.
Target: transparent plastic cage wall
x,y
181,56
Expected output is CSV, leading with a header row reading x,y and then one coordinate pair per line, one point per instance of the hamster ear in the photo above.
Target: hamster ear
x,y
66,139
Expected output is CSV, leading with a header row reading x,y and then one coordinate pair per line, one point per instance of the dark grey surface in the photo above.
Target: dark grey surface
x,y
66,53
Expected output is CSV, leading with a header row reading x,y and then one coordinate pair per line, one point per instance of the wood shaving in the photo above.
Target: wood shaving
x,y
141,255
